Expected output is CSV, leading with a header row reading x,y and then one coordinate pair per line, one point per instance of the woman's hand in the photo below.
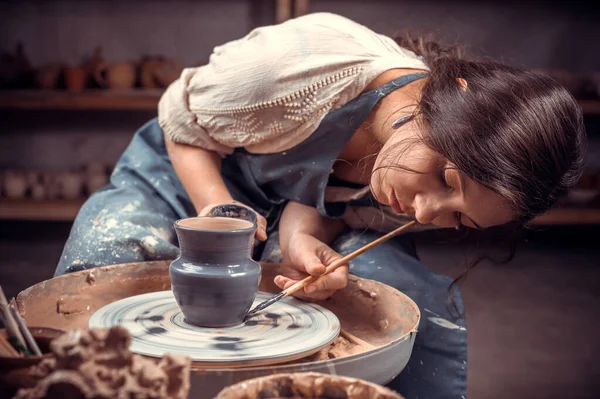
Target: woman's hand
x,y
306,256
223,209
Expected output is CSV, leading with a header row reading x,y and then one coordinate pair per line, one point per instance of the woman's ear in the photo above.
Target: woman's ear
x,y
462,83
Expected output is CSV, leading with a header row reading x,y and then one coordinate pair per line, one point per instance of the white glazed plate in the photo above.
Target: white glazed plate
x,y
288,330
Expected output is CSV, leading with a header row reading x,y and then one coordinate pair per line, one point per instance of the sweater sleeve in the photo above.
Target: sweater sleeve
x,y
270,89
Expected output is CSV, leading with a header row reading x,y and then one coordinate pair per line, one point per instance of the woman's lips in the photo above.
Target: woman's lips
x,y
395,204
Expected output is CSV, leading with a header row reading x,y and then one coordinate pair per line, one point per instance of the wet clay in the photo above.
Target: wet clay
x,y
97,364
371,311
307,386
340,347
215,224
234,211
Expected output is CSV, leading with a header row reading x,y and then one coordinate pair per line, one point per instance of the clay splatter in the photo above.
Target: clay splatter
x,y
446,324
120,239
156,330
227,346
149,243
161,233
131,207
227,339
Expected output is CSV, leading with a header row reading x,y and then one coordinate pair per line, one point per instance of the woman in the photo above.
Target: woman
x,y
332,134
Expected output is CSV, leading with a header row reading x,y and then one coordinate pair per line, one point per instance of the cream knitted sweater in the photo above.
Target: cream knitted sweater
x,y
269,90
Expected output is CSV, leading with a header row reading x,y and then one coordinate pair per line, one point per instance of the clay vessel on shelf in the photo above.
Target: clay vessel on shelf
x,y
15,184
167,72
215,280
94,65
75,79
15,69
46,77
70,184
117,76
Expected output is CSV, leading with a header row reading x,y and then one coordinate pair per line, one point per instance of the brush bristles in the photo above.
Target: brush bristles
x,y
265,304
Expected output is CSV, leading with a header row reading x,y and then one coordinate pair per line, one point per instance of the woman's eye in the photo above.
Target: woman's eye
x,y
444,180
458,217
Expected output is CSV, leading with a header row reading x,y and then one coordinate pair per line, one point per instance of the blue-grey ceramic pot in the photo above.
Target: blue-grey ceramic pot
x,y
214,279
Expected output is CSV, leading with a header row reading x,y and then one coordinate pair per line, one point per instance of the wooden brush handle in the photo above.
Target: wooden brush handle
x,y
11,325
334,265
6,349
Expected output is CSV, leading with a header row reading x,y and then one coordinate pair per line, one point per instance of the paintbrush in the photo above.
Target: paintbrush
x,y
6,349
11,326
303,283
25,331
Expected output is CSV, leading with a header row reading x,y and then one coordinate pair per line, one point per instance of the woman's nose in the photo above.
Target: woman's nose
x,y
426,211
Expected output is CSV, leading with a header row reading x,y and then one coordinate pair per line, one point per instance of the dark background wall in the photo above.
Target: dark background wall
x,y
548,35
533,326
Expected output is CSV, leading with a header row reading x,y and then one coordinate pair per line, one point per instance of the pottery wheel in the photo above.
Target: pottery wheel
x,y
289,329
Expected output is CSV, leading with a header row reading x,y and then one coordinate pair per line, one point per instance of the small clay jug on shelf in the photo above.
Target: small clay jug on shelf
x,y
75,79
214,279
46,77
117,76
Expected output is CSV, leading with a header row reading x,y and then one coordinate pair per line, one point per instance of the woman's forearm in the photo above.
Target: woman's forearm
x,y
298,218
200,173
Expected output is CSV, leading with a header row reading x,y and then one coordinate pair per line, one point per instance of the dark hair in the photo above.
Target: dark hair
x,y
514,131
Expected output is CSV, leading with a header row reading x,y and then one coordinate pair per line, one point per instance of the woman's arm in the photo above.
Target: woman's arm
x,y
199,171
301,219
304,238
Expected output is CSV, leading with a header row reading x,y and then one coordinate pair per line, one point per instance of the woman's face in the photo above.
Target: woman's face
x,y
439,194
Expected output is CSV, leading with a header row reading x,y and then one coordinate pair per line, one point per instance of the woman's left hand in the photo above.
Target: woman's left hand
x,y
306,256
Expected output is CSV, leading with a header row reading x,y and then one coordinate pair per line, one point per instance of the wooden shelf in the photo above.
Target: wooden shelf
x,y
135,99
590,107
48,210
564,216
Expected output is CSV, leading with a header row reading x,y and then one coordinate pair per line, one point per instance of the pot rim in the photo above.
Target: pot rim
x,y
253,226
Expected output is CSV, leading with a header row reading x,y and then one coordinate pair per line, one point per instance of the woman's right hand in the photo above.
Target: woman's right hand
x,y
309,256
221,210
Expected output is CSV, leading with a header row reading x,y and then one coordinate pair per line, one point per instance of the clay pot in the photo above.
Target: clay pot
x,y
214,279
46,77
119,76
50,181
38,191
35,184
75,79
159,72
94,65
95,177
308,386
167,72
15,184
95,182
149,66
15,69
70,184
15,371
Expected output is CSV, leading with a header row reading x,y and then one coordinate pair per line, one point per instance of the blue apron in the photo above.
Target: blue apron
x,y
131,220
